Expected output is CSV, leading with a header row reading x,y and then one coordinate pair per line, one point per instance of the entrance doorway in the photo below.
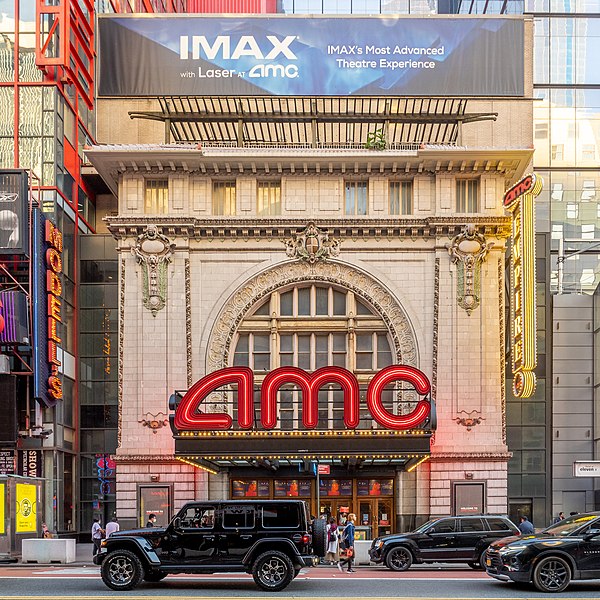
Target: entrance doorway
x,y
374,517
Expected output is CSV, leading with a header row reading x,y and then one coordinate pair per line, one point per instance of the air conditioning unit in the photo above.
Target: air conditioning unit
x,y
4,364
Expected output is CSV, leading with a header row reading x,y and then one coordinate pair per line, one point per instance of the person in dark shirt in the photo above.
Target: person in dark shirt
x,y
526,526
151,520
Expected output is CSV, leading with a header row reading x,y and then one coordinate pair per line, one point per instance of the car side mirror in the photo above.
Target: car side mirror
x,y
176,523
591,534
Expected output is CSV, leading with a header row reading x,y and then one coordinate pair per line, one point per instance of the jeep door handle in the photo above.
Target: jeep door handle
x,y
209,538
245,537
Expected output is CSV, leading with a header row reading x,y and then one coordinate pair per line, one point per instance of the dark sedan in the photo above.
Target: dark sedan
x,y
446,539
552,558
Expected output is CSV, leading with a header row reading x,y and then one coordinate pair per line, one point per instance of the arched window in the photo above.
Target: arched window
x,y
313,326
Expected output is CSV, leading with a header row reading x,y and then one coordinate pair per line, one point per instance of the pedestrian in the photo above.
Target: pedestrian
x,y
97,535
112,526
348,542
45,531
525,526
151,520
560,517
332,542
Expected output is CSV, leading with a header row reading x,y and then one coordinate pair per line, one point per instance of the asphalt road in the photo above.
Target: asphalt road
x,y
321,583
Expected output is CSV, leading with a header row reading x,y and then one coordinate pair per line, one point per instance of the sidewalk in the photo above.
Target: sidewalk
x,y
83,558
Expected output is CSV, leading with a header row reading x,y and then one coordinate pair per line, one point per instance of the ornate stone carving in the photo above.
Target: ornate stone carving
x,y
436,330
121,344
501,321
153,252
155,422
469,419
468,250
312,244
344,275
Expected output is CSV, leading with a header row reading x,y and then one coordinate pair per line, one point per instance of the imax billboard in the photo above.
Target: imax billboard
x,y
192,55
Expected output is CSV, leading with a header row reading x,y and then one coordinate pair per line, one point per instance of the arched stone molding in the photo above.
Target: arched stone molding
x,y
337,273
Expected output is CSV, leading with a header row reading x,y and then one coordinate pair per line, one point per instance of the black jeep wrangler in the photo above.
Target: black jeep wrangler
x,y
272,539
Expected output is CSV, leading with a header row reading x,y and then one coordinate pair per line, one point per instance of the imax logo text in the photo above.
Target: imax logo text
x,y
246,46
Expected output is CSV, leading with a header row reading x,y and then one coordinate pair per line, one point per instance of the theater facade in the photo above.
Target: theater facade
x,y
312,289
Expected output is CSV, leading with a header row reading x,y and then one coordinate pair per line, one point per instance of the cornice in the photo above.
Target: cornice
x,y
144,458
123,227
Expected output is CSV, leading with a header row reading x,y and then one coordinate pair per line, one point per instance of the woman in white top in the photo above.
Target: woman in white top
x,y
332,555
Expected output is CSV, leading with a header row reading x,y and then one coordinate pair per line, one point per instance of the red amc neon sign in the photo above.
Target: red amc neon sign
x,y
189,418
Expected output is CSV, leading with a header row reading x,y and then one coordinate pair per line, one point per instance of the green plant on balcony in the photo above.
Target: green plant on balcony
x,y
375,140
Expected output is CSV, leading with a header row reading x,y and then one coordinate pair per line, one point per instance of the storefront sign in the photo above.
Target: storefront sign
x,y
305,56
589,468
323,469
26,506
519,200
188,418
54,290
30,463
7,462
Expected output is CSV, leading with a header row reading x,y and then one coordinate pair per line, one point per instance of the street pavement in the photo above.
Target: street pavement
x,y
81,579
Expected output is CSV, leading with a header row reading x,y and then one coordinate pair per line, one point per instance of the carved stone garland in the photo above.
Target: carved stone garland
x,y
153,252
312,244
468,250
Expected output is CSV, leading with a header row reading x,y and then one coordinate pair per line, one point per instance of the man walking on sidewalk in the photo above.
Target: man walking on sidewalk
x,y
97,533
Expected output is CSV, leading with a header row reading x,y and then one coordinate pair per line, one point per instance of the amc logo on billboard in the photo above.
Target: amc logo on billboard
x,y
188,417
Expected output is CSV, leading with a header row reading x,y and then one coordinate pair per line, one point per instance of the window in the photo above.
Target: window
x,y
356,197
268,198
471,525
467,196
280,515
498,525
156,196
307,326
198,517
223,198
401,198
444,526
238,517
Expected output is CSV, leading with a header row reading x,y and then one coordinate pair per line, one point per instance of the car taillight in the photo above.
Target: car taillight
x,y
305,538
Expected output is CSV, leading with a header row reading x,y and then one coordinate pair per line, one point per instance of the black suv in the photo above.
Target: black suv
x,y
447,539
552,558
272,539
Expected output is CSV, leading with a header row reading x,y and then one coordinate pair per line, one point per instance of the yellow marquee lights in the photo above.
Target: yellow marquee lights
x,y
320,457
519,201
198,466
411,469
254,434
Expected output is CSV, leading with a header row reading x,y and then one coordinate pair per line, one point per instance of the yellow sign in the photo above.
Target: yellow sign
x,y
2,500
26,521
519,200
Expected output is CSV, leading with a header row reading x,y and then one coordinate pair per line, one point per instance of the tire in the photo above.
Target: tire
x,y
399,559
154,576
122,570
273,571
552,574
477,564
319,537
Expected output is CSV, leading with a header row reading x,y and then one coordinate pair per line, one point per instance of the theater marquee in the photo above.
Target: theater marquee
x,y
519,201
213,435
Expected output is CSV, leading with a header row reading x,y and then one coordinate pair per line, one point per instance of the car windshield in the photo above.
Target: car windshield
x,y
570,525
425,526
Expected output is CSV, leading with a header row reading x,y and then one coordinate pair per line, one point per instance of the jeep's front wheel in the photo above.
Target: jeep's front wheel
x,y
122,570
273,571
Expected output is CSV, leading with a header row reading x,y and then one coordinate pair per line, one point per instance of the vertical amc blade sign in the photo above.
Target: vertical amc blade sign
x,y
519,201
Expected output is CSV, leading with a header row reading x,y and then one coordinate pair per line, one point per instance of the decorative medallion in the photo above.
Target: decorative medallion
x,y
469,419
468,250
155,422
153,252
312,244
